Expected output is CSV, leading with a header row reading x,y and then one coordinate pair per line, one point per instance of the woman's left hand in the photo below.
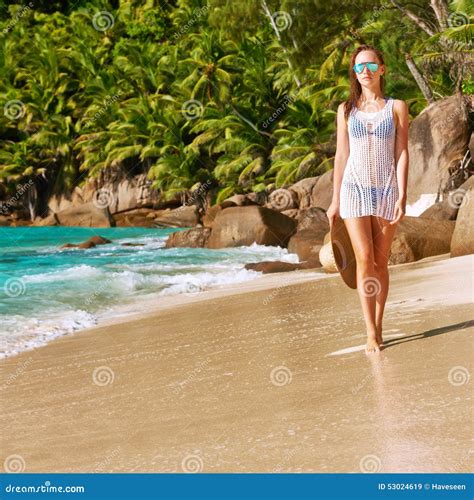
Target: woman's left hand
x,y
399,210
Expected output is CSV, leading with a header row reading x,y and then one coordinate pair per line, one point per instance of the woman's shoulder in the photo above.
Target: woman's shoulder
x,y
345,105
343,111
399,105
341,105
400,109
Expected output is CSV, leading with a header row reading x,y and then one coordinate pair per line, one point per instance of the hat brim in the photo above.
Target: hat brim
x,y
343,252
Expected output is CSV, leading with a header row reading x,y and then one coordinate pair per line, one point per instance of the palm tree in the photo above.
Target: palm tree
x,y
212,64
196,91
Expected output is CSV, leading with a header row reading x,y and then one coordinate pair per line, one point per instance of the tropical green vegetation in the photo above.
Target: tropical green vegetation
x,y
240,94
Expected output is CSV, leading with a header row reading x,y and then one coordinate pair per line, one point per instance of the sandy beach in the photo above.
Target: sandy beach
x,y
267,376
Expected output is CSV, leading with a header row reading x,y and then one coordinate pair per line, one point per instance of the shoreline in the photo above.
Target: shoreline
x,y
144,306
260,283
266,380
116,283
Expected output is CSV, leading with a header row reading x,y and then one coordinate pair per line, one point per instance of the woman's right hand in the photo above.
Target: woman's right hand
x,y
333,211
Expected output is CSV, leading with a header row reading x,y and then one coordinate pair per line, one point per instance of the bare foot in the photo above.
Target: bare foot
x,y
372,344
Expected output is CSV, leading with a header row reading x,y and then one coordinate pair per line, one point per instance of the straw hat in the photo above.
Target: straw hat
x,y
344,256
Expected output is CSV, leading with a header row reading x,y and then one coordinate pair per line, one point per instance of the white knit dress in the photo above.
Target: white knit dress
x,y
369,184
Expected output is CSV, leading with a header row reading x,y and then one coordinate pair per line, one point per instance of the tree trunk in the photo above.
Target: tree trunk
x,y
417,20
441,12
31,200
419,78
277,32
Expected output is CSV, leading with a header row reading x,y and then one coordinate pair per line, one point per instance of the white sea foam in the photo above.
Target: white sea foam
x,y
82,271
185,283
68,290
20,333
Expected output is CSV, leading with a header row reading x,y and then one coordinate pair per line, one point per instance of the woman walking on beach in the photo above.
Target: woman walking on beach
x,y
370,178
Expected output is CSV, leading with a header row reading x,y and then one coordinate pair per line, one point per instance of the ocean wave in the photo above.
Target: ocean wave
x,y
70,290
20,333
70,273
188,283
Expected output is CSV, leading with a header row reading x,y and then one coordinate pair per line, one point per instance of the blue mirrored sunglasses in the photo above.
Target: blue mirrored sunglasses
x,y
371,66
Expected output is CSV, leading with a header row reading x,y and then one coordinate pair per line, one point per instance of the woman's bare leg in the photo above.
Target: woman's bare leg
x,y
360,233
382,236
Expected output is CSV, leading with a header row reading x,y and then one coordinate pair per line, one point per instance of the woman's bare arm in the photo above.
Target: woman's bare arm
x,y
401,147
342,153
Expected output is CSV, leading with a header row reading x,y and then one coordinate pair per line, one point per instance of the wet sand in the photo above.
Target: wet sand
x,y
270,380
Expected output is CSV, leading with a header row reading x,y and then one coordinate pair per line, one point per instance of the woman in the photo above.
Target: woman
x,y
370,179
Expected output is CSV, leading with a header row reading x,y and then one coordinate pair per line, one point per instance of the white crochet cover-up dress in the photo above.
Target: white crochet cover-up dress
x,y
369,183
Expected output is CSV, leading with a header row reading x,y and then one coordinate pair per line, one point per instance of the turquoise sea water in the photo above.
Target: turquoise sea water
x,y
47,291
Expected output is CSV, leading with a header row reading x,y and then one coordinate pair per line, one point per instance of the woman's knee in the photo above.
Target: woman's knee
x,y
365,260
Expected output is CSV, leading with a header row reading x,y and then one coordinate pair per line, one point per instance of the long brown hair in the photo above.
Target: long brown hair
x,y
356,88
